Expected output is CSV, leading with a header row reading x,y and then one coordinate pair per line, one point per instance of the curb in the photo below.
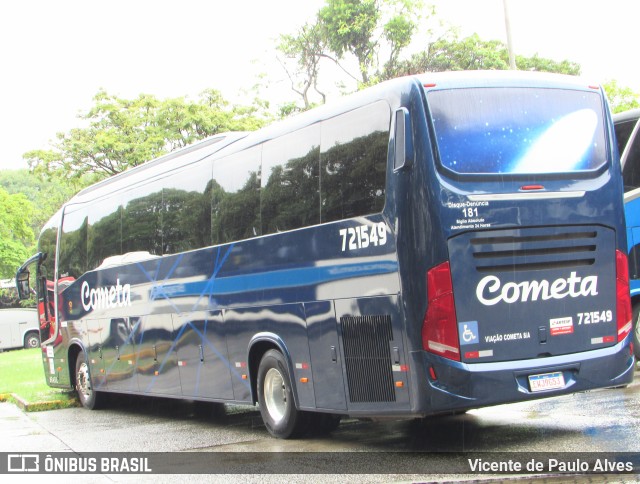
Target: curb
x,y
25,406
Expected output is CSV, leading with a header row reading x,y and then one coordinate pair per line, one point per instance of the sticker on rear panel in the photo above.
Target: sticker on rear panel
x,y
468,333
560,326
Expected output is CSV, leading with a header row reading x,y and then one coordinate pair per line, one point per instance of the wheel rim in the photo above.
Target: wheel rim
x,y
84,382
32,342
275,395
637,325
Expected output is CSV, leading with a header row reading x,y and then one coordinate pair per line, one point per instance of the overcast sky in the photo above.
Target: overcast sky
x,y
57,54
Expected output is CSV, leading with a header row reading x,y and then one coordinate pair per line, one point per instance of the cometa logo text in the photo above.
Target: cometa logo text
x,y
105,297
490,290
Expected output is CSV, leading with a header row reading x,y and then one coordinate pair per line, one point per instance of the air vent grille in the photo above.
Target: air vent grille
x,y
498,253
368,358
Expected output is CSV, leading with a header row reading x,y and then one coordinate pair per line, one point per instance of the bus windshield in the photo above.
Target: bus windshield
x,y
518,131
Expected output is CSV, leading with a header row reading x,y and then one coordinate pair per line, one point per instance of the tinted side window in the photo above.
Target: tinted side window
x,y
354,162
104,232
290,181
142,219
623,132
235,192
186,209
631,170
73,244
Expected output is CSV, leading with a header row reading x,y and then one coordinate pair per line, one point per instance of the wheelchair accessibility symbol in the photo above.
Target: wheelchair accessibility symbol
x,y
468,332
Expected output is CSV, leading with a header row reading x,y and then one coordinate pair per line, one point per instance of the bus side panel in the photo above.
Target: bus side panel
x,y
157,366
326,357
95,336
120,354
287,321
202,356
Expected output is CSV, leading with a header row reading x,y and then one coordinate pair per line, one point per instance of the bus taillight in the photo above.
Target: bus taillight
x,y
622,296
439,328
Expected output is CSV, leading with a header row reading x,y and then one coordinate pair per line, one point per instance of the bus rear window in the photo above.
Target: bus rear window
x,y
518,130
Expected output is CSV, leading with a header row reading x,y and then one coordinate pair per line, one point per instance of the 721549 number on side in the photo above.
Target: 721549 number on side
x,y
363,236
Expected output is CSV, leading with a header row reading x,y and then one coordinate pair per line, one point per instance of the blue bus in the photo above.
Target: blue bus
x,y
433,244
626,129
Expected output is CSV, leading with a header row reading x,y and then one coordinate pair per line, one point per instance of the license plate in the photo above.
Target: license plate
x,y
548,381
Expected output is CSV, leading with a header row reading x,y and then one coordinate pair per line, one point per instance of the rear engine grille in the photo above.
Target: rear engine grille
x,y
368,358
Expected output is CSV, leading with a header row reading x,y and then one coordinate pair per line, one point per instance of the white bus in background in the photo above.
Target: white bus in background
x,y
19,328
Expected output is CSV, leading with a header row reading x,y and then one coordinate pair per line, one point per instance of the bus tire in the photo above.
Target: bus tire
x,y
88,396
323,423
275,396
636,330
32,340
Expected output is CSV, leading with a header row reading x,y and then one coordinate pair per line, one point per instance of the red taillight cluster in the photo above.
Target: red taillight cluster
x,y
623,297
439,328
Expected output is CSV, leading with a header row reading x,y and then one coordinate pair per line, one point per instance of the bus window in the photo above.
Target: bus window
x,y
104,237
631,169
186,210
235,209
290,183
623,133
354,162
518,131
73,245
142,220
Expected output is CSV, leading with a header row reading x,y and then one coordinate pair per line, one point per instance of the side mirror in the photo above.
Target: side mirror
x,y
403,139
22,283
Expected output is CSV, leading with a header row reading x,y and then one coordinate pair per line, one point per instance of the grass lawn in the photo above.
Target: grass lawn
x,y
22,374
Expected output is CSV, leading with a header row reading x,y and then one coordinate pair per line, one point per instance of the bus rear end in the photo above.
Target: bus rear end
x,y
530,297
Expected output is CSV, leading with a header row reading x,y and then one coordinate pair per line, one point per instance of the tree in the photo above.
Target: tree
x,y
16,237
473,53
305,49
349,26
368,30
621,98
347,30
45,195
123,133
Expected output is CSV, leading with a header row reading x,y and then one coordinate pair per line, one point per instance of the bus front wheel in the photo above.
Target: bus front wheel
x,y
89,398
275,396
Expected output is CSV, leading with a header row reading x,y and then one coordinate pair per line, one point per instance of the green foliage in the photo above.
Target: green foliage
x,y
473,53
46,195
16,236
370,30
349,26
122,133
344,30
305,49
621,98
541,64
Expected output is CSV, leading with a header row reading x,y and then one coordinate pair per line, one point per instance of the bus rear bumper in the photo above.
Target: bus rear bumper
x,y
460,386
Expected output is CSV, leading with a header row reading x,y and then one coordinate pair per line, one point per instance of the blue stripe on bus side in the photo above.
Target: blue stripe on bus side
x,y
278,279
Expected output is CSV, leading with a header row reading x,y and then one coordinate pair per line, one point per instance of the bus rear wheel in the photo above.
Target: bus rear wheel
x,y
275,396
89,398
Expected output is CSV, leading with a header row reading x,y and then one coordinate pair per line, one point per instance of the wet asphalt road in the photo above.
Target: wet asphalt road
x,y
598,421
